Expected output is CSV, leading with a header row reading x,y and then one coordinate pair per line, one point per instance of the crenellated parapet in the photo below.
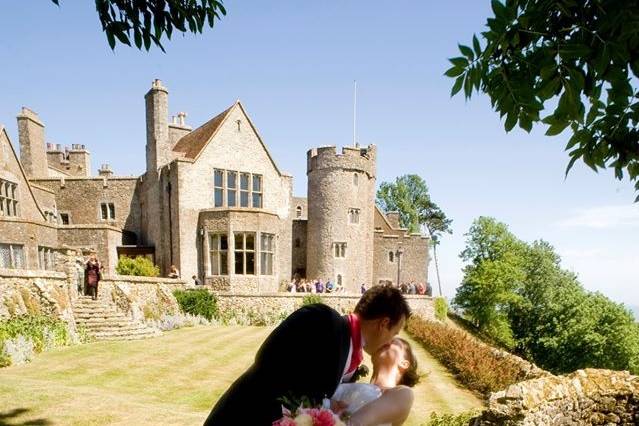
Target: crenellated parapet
x,y
351,158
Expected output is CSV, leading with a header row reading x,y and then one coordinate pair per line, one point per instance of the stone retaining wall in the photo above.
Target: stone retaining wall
x,y
142,298
285,303
585,397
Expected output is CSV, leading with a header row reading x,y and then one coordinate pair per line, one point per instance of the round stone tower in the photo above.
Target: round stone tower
x,y
341,197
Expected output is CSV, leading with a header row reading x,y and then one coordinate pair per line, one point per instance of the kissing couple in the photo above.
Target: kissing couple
x,y
315,354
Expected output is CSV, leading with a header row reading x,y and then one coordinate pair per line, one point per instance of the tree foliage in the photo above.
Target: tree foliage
x,y
140,266
519,295
146,22
576,60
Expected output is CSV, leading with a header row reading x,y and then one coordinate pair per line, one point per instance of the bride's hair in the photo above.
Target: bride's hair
x,y
410,377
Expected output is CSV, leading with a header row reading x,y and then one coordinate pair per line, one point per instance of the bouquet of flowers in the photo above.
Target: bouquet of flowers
x,y
310,417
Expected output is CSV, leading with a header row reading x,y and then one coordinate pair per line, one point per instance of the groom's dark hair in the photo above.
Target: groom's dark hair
x,y
383,301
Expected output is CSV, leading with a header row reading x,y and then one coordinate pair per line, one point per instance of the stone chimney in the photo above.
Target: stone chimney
x,y
158,148
79,160
32,151
105,171
178,128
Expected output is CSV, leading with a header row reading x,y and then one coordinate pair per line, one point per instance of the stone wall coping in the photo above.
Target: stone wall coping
x,y
302,295
31,273
27,221
87,178
92,226
143,280
41,188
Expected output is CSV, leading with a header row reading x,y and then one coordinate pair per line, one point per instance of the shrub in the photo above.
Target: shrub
x,y
312,299
441,308
140,266
197,302
475,364
23,336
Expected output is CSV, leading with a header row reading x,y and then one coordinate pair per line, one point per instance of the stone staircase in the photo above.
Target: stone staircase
x,y
103,321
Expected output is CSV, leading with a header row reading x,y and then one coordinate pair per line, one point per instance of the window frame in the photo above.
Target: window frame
x,y
259,192
13,264
219,188
339,250
220,265
353,215
267,255
244,252
9,198
47,258
107,207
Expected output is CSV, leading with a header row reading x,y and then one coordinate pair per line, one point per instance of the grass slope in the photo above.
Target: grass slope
x,y
170,380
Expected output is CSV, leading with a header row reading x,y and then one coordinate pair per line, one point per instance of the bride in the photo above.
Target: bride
x,y
388,398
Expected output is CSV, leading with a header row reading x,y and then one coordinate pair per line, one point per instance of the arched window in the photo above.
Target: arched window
x,y
355,179
391,256
339,279
298,211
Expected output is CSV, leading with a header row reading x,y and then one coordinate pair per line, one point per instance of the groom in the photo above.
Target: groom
x,y
309,354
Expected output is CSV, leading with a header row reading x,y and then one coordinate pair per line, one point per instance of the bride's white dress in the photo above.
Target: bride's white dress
x,y
356,395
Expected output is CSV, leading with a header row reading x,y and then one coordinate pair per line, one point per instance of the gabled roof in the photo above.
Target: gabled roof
x,y
24,174
192,144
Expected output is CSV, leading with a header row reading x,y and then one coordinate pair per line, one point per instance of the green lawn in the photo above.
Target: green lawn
x,y
170,380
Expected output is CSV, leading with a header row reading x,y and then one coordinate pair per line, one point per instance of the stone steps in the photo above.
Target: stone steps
x,y
102,321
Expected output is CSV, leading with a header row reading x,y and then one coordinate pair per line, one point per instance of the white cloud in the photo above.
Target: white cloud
x,y
605,217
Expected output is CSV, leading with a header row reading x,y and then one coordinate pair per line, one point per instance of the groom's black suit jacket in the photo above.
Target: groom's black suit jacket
x,y
304,356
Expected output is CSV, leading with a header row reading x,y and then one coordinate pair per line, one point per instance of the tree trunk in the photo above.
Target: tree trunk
x,y
439,283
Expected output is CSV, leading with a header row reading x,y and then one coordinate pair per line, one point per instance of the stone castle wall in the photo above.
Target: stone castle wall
x,y
585,397
414,266
81,199
336,184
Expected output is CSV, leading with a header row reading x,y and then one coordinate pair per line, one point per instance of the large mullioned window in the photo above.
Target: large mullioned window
x,y
218,251
237,189
12,256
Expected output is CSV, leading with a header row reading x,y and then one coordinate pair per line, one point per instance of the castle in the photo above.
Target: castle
x,y
212,202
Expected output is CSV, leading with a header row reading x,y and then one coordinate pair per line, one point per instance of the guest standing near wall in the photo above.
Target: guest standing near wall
x,y
92,274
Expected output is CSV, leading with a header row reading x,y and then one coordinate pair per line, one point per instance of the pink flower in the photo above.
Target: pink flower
x,y
322,417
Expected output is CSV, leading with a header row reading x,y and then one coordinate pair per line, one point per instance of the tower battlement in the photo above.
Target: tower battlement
x,y
350,158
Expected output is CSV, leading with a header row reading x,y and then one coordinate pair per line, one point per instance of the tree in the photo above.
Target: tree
x,y
518,294
145,22
409,196
580,58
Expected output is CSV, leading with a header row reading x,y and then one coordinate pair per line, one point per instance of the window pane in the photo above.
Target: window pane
x,y
231,180
223,263
213,242
231,198
244,181
111,211
5,256
219,198
215,270
250,263
239,241
219,178
244,199
257,200
250,241
224,242
18,257
103,206
239,263
257,183
64,217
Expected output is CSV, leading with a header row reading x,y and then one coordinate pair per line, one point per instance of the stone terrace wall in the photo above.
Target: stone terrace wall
x,y
585,397
25,292
141,298
286,303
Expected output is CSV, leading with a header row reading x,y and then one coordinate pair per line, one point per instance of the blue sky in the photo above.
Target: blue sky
x,y
293,64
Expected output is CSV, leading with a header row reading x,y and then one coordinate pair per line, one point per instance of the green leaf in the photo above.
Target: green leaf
x,y
476,46
499,9
511,120
467,52
525,122
459,61
110,38
557,128
457,86
454,72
